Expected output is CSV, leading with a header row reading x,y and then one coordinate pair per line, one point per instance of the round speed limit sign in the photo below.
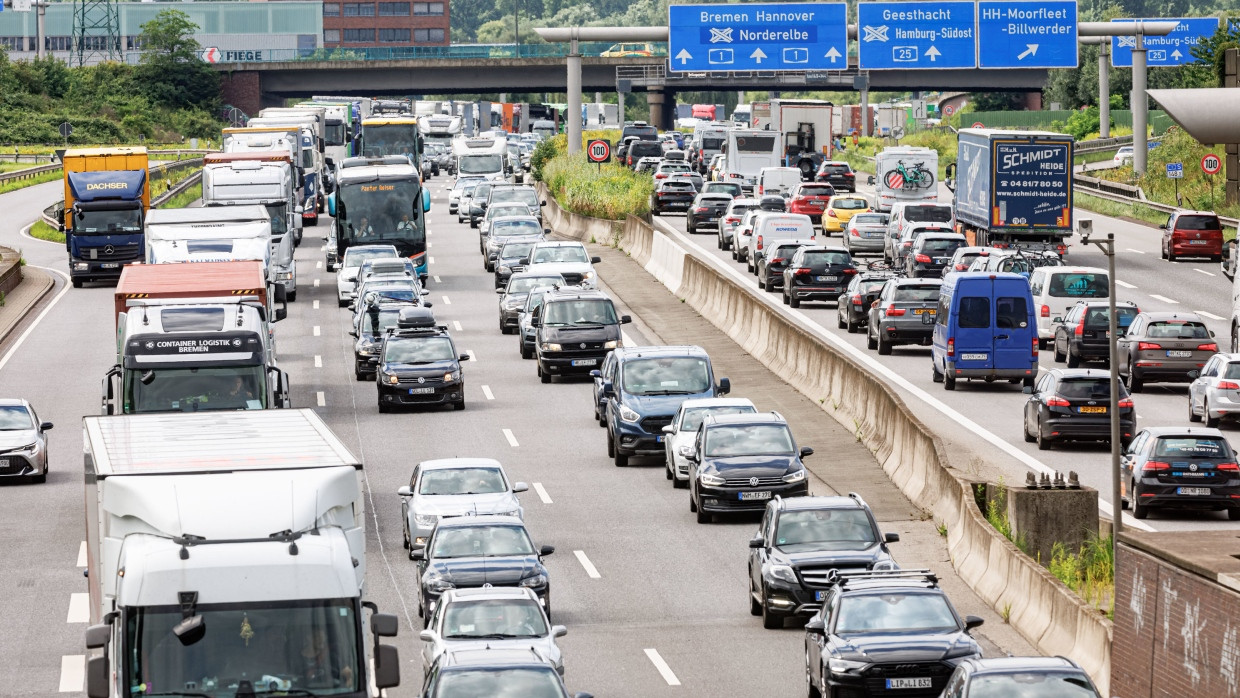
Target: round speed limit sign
x,y
598,151
1211,164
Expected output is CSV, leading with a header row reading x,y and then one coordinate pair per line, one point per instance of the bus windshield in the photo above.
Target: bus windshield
x,y
384,211
390,139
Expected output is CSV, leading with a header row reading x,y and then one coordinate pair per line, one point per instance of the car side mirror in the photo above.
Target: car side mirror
x,y
816,626
870,180
806,451
1194,373
609,390
353,333
725,386
525,260
971,622
546,550
427,636
417,554
405,491
500,291
384,625
596,373
687,451
1162,226
594,260
626,319
891,538
427,304
1058,319
425,293
669,429
46,426
757,542
558,631
463,357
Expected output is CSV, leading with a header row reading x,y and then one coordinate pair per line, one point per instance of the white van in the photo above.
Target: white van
x,y
777,180
771,227
1056,289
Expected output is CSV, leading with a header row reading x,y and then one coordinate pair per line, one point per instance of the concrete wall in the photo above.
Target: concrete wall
x,y
1041,608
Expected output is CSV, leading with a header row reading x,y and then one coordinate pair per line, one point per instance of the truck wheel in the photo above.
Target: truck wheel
x,y
77,283
807,171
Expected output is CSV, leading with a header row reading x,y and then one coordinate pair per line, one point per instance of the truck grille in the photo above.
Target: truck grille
x,y
119,252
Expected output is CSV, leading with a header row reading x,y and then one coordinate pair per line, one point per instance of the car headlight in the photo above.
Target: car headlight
x,y
628,415
28,448
885,566
613,344
588,275
537,580
549,346
391,378
451,376
711,480
514,512
425,520
795,476
783,573
840,666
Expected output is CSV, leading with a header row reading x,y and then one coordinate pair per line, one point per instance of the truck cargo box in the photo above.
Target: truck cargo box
x,y
190,280
1015,181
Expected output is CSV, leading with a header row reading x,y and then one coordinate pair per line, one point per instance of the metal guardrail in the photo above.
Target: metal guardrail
x,y
1129,194
1101,145
28,173
31,172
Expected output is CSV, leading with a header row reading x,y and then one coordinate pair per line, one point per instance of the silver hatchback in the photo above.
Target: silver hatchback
x,y
451,487
23,442
492,618
1215,393
865,233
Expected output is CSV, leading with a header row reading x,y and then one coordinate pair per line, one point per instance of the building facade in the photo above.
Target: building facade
x,y
385,23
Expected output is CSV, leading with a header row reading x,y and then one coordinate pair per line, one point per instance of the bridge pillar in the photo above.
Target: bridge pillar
x,y
243,90
662,109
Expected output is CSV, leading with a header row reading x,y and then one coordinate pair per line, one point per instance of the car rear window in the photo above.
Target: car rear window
x,y
851,204
817,191
1177,329
940,247
1190,447
645,148
1099,317
835,169
1233,371
928,214
1011,312
1078,285
1085,388
869,219
1197,223
816,258
923,293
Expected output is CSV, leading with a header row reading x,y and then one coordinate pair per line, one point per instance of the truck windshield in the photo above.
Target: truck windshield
x,y
279,224
195,389
336,133
107,221
309,647
383,211
480,164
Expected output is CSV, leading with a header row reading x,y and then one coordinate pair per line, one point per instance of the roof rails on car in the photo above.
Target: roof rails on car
x,y
845,579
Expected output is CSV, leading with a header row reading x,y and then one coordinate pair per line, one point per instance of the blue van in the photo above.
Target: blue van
x,y
985,328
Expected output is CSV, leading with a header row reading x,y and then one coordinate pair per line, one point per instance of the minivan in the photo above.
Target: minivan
x,y
773,227
1057,289
778,180
985,328
574,329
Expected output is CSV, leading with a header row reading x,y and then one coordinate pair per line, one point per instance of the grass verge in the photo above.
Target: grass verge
x,y
185,198
1090,573
37,179
43,231
610,191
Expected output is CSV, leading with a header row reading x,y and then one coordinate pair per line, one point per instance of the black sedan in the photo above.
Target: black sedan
x,y
1180,468
852,308
706,211
476,551
1074,404
672,195
817,274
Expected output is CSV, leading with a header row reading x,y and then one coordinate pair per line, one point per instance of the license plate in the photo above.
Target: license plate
x,y
820,595
873,235
585,362
1199,242
828,278
1092,410
925,311
110,265
751,496
1179,354
973,357
659,438
940,260
909,683
421,391
1196,491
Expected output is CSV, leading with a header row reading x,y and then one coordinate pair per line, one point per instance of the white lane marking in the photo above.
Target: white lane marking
x,y
316,283
1123,284
436,278
429,244
316,330
1164,299
628,341
81,561
316,305
542,493
72,673
512,440
486,390
591,572
456,325
1135,251
79,608
1204,314
1202,271
25,335
318,264
430,260
321,398
886,372
318,361
472,356
25,232
664,670
446,301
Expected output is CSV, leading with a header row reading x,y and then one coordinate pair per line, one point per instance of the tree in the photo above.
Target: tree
x,y
170,70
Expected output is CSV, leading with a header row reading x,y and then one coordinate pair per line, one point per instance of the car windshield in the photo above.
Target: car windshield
x,y
419,350
1077,285
920,294
579,312
14,418
376,322
895,612
353,257
1031,684
462,481
666,376
516,250
481,541
825,529
748,440
1085,388
851,204
475,164
529,197
824,258
493,619
1190,447
523,284
928,214
693,416
522,683
513,228
1177,329
1197,223
940,247
560,253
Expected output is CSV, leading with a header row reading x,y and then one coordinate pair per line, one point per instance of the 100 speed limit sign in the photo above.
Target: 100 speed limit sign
x,y
1211,164
598,151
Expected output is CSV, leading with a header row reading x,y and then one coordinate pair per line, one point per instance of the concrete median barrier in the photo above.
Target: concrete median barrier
x,y
1040,607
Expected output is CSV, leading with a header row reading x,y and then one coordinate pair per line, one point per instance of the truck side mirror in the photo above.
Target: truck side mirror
x,y
387,666
725,386
97,674
384,625
281,312
426,200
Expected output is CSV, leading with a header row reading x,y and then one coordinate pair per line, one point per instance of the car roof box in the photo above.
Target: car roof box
x,y
415,317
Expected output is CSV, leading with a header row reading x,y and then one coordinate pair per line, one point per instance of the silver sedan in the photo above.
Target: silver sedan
x,y
491,618
865,233
23,442
1215,393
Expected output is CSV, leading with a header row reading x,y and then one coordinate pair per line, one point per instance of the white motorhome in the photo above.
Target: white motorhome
x,y
218,544
905,173
745,153
481,156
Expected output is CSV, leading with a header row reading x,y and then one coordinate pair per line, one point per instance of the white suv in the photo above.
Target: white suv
x,y
568,259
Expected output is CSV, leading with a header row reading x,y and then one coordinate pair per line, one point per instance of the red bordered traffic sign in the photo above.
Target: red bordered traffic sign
x,y
949,110
598,150
978,124
1211,164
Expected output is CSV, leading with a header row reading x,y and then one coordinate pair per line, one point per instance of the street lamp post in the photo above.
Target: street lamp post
x,y
1107,246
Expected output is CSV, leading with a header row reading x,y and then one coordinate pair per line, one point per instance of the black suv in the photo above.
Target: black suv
x,y
706,211
931,253
853,307
800,541
838,174
886,634
672,195
573,331
419,364
1081,334
743,460
817,274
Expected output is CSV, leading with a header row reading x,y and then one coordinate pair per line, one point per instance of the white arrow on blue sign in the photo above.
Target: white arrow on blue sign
x,y
773,36
1167,51
1027,34
921,35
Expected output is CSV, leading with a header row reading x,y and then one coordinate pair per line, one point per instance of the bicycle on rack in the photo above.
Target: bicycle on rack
x,y
914,177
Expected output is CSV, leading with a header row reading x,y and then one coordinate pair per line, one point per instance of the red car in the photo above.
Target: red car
x,y
1192,234
811,199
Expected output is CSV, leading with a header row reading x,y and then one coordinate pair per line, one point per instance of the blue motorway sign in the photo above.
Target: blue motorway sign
x,y
783,36
1167,51
923,35
1026,34
1175,170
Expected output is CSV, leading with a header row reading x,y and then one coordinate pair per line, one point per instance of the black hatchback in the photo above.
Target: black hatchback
x,y
1081,334
1075,404
852,309
1182,468
706,212
672,195
817,273
931,253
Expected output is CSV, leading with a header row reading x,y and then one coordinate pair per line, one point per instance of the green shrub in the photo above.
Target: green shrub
x,y
609,191
1090,573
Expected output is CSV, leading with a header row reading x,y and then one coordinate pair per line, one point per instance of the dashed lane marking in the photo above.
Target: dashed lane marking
x,y
72,673
1164,299
1123,284
81,561
316,305
512,440
1202,271
79,608
1204,314
542,493
456,325
591,571
486,390
321,398
317,330
318,361
664,670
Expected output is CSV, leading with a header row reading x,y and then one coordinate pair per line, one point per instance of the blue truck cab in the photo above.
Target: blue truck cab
x,y
644,387
107,194
985,328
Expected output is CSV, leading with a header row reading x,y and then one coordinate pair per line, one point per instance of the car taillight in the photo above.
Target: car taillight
x,y
831,212
660,175
760,188
1046,309
1126,402
1080,327
1229,467
700,209
856,300
962,267
1228,385
1146,346
778,260
894,312
855,233
951,347
908,244
849,175
849,272
1207,347
923,258
802,271
1155,466
1035,346
731,219
1058,402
